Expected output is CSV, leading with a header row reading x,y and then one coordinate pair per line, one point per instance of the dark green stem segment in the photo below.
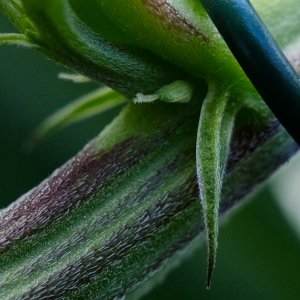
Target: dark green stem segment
x,y
260,57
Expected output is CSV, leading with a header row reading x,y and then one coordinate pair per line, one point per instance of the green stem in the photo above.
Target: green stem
x,y
97,228
14,11
64,37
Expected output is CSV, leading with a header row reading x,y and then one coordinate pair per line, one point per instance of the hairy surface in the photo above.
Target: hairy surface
x,y
110,211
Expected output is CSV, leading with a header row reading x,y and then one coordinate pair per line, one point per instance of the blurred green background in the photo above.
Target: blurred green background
x,y
259,251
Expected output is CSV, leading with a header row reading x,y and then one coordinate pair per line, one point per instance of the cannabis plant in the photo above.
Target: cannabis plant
x,y
194,128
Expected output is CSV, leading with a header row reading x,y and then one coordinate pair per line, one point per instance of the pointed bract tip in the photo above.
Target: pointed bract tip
x,y
211,264
210,273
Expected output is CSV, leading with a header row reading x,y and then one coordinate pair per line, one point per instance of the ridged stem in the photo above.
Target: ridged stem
x,y
115,213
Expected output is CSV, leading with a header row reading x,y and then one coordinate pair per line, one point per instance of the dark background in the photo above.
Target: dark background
x,y
259,253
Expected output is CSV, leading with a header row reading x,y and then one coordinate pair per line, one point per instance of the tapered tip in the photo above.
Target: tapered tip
x,y
210,271
212,253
